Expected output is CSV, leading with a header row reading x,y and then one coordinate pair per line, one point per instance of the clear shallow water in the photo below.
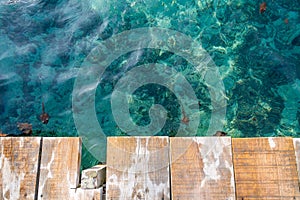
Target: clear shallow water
x,y
44,43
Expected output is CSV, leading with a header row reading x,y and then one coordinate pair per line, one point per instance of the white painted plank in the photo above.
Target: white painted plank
x,y
87,194
60,166
138,168
201,168
18,167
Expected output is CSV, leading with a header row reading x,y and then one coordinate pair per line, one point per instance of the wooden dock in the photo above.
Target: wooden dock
x,y
152,168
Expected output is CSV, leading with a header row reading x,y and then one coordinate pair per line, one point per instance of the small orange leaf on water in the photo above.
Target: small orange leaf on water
x,y
262,7
286,20
3,134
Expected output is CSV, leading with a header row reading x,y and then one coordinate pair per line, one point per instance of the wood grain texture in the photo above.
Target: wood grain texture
x,y
265,168
201,168
60,166
297,153
137,168
87,194
18,167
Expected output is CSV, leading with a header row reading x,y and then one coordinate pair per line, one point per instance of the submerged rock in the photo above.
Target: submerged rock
x,y
220,133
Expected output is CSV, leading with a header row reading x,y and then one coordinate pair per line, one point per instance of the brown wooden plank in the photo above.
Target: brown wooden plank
x,y
60,166
265,168
18,167
201,168
138,168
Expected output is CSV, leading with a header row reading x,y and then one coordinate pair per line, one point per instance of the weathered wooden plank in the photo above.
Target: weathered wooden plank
x,y
93,177
265,168
87,194
201,168
138,168
297,153
18,167
60,166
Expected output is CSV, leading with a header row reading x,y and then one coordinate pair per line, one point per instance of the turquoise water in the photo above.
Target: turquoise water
x,y
43,45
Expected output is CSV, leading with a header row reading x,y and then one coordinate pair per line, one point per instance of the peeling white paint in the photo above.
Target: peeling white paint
x,y
11,181
230,168
48,167
31,196
211,150
72,178
48,172
271,143
210,147
84,194
21,140
230,198
112,179
12,168
135,181
296,142
210,171
2,155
